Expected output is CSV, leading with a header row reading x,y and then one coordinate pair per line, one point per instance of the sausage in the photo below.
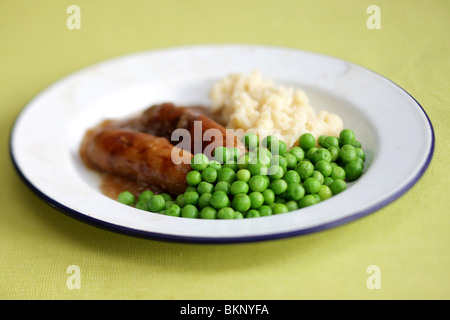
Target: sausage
x,y
137,155
162,120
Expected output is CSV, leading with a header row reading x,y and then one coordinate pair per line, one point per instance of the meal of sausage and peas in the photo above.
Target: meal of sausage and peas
x,y
231,186
183,162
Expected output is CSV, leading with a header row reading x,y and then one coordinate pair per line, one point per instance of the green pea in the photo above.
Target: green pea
x,y
295,191
347,153
325,192
225,213
279,160
291,161
166,196
291,205
126,197
330,142
215,165
346,136
311,185
316,196
239,186
278,186
238,215
360,161
252,156
309,154
145,195
265,210
208,213
209,174
327,181
360,153
142,205
292,176
269,196
258,183
204,200
267,141
307,201
324,167
235,154
337,186
304,169
219,200
264,157
275,172
244,161
356,144
205,187
280,208
298,153
337,173
278,147
169,204
223,186
179,200
321,154
221,154
226,174
307,141
353,170
156,203
232,165
256,199
253,213
241,202
282,148
174,210
317,175
243,175
199,162
189,211
321,139
257,169
250,140
334,151
191,197
193,178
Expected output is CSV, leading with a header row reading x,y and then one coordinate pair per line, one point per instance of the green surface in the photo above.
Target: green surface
x,y
408,240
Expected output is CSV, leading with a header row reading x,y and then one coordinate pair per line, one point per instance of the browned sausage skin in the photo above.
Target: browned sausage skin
x,y
140,149
139,156
204,133
194,124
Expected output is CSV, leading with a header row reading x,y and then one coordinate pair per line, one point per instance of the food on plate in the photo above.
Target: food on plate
x,y
250,102
261,182
138,156
138,152
164,119
199,162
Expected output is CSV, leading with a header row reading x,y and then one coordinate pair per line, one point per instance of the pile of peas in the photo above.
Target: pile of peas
x,y
268,179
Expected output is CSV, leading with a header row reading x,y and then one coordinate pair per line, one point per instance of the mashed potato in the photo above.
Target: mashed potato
x,y
254,104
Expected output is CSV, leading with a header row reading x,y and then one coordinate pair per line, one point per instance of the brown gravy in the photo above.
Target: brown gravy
x,y
112,185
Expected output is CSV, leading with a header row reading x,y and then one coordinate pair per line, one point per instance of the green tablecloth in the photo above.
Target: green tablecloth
x,y
407,240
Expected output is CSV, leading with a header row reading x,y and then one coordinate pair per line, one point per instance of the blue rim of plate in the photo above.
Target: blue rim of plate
x,y
230,240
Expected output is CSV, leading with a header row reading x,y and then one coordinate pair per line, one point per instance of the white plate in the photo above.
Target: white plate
x,y
393,128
